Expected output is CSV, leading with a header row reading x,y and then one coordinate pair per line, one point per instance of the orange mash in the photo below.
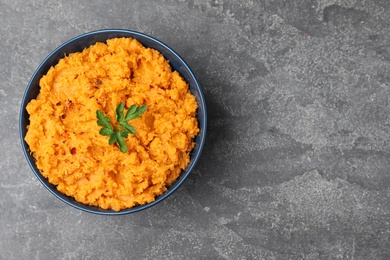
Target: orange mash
x,y
64,138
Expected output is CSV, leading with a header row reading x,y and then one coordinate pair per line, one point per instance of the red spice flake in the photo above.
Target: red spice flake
x,y
63,116
73,150
69,103
58,103
98,81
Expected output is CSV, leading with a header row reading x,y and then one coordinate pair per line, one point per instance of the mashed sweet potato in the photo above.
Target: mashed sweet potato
x,y
64,138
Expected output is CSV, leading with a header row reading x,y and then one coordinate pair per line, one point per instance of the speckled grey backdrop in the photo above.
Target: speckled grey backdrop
x,y
296,164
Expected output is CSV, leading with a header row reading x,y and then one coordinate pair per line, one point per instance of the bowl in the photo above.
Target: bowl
x,y
78,44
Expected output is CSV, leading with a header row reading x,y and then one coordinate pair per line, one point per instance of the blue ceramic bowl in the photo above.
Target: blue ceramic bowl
x,y
78,44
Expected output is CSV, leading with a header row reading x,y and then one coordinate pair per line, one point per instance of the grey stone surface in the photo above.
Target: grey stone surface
x,y
296,164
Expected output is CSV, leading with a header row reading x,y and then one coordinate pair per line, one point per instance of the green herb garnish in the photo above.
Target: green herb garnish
x,y
122,130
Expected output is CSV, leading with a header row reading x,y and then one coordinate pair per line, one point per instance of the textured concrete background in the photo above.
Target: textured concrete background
x,y
296,164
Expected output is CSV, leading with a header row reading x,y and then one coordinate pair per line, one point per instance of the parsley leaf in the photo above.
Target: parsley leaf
x,y
135,112
119,112
122,130
128,127
121,142
103,120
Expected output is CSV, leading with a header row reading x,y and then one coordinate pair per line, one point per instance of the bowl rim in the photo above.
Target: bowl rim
x,y
185,173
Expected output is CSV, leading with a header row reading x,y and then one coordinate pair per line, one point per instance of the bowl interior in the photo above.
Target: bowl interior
x,y
78,44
